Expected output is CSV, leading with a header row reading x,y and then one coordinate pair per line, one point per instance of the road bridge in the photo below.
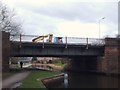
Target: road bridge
x,y
100,55
31,49
23,46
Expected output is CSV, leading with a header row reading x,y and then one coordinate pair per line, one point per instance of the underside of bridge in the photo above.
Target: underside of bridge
x,y
83,64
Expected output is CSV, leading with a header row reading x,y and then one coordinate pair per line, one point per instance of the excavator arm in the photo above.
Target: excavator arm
x,y
42,37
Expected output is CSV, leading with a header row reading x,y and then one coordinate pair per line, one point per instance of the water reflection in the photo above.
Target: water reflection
x,y
78,80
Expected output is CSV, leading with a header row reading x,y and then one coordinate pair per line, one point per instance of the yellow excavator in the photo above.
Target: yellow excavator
x,y
42,37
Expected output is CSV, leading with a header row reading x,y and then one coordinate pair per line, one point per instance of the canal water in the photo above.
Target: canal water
x,y
88,80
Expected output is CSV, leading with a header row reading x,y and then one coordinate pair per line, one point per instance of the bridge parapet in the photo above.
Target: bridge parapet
x,y
65,40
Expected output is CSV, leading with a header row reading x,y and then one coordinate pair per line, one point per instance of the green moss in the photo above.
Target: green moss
x,y
34,79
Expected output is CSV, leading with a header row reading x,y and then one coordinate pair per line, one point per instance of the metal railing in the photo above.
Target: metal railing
x,y
65,40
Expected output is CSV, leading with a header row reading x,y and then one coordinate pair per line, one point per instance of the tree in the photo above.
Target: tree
x,y
7,20
9,24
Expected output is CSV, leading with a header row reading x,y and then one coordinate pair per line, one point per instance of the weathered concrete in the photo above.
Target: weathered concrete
x,y
5,51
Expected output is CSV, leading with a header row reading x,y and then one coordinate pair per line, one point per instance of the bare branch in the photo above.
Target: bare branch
x,y
7,22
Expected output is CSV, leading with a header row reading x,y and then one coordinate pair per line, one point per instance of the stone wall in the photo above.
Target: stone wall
x,y
5,51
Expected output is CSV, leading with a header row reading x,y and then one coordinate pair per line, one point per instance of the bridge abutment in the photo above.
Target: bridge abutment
x,y
5,51
109,63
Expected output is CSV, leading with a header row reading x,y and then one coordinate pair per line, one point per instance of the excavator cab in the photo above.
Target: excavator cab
x,y
58,40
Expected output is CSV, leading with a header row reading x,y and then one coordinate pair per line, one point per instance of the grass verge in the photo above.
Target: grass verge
x,y
32,80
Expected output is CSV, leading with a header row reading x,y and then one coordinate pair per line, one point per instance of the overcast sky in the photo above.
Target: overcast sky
x,y
67,17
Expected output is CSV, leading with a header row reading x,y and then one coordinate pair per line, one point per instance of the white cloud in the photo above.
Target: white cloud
x,y
76,28
63,17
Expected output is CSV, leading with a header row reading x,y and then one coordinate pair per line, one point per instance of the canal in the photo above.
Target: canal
x,y
87,80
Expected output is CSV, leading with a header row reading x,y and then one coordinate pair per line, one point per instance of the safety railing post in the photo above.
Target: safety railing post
x,y
66,42
20,40
87,43
43,42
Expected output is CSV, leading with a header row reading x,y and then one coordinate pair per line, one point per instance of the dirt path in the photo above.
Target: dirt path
x,y
17,78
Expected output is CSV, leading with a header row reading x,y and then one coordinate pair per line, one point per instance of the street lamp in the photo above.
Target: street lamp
x,y
99,25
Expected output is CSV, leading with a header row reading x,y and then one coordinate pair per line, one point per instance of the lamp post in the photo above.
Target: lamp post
x,y
99,26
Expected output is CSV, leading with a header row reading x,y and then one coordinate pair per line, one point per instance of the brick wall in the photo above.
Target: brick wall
x,y
5,51
109,63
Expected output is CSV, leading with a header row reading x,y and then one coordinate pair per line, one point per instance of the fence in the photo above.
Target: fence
x,y
65,40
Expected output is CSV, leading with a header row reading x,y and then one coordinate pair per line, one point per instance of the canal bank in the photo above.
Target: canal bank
x,y
75,80
34,79
84,80
90,79
53,81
